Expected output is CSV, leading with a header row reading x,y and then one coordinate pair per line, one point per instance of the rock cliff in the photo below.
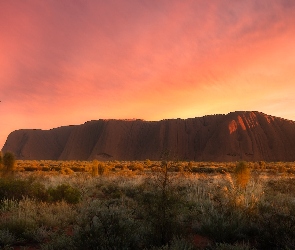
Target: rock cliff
x,y
240,135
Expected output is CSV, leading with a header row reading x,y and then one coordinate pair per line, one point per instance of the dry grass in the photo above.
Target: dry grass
x,y
197,199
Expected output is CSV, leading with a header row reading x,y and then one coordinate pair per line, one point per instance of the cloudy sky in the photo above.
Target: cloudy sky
x,y
70,61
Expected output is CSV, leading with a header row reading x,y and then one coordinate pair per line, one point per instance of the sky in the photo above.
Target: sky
x,y
67,62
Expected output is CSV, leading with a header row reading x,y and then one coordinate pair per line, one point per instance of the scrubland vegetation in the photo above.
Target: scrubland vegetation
x,y
147,205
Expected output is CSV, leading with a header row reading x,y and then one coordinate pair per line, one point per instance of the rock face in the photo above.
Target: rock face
x,y
240,135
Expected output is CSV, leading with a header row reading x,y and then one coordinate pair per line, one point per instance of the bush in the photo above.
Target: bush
x,y
189,167
226,225
112,191
17,189
94,169
102,169
242,174
277,228
66,171
8,162
31,168
136,166
104,226
78,169
64,192
19,227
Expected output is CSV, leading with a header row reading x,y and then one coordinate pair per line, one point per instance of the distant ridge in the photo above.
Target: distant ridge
x,y
240,135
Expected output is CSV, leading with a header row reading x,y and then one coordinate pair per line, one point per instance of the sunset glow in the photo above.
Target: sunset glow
x,y
67,62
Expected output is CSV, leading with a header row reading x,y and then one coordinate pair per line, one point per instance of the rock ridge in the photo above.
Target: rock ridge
x,y
240,135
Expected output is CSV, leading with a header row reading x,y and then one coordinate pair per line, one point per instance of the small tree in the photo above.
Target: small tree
x,y
162,204
8,161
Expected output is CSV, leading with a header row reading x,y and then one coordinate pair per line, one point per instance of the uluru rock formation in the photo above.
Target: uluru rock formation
x,y
240,135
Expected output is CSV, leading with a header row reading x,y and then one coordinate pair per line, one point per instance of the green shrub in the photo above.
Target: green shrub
x,y
112,190
226,225
9,161
277,226
105,226
64,192
18,226
38,192
17,189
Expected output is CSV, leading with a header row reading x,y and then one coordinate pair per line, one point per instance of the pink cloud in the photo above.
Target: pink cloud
x,y
66,62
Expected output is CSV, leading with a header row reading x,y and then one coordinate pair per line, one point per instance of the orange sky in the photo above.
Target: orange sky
x,y
66,62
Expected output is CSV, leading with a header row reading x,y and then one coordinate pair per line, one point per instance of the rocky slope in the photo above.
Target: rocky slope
x,y
236,136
